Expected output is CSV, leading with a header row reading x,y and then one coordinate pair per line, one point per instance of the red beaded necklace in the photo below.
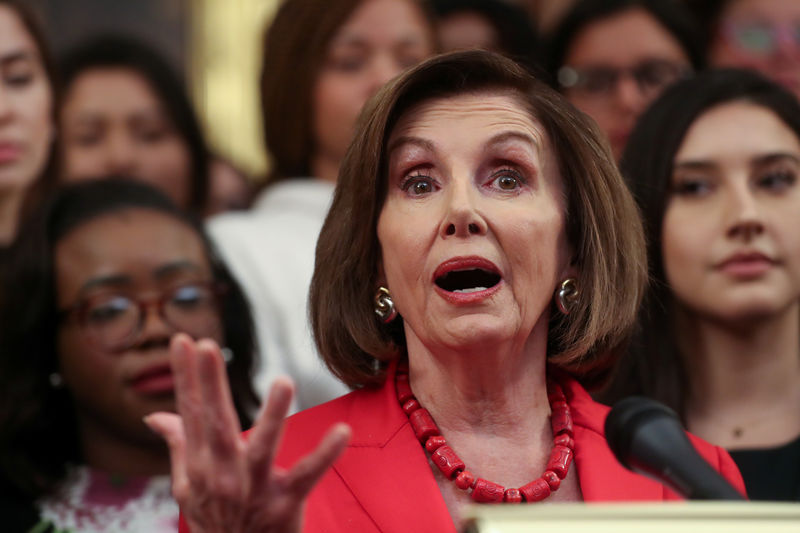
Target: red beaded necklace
x,y
453,467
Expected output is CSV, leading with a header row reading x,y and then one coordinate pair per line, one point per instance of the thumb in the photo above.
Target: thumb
x,y
170,427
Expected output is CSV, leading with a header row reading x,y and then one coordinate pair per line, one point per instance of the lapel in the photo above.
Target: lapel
x,y
386,468
601,476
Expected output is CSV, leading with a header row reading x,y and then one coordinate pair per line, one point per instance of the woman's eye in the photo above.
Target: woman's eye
x,y
778,180
419,185
19,80
190,296
109,310
691,187
151,136
347,63
19,73
508,180
86,140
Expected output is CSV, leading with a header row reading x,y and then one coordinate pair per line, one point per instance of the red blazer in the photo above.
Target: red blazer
x,y
383,482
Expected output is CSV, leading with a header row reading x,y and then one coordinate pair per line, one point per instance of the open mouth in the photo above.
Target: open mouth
x,y
467,281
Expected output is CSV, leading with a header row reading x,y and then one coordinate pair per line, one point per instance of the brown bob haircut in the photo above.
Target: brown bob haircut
x,y
602,226
295,46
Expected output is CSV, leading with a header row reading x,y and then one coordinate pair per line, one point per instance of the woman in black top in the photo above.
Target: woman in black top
x,y
714,166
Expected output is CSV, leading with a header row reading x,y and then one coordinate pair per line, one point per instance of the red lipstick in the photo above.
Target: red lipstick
x,y
154,380
467,280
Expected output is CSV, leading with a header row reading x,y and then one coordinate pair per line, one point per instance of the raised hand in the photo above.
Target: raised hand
x,y
222,482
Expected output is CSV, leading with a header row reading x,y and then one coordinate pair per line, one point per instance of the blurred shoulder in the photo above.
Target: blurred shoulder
x,y
288,212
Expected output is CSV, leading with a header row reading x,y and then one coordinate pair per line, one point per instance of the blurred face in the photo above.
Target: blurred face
x,y
113,123
115,366
730,242
26,126
472,228
617,66
467,29
763,35
378,41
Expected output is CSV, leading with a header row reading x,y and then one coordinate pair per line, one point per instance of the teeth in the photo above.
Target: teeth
x,y
471,289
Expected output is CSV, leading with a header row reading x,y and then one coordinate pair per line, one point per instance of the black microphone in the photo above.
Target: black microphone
x,y
647,438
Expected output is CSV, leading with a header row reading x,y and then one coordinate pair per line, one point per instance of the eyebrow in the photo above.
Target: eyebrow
x,y
112,280
408,139
17,55
761,160
121,280
505,136
776,157
356,38
694,165
177,267
92,116
500,138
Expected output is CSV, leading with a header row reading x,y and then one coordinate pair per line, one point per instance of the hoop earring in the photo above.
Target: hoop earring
x,y
384,305
567,295
55,379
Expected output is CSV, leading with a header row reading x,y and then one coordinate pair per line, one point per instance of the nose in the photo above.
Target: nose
x,y
383,68
120,154
746,221
462,219
5,105
154,327
628,95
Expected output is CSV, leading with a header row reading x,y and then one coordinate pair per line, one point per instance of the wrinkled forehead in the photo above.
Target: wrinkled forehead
x,y
484,115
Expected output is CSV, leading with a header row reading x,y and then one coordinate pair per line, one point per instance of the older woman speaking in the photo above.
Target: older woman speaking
x,y
481,256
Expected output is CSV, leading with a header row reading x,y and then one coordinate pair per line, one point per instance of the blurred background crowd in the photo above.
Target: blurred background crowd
x,y
166,165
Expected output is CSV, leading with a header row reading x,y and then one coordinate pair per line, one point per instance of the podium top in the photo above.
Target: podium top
x,y
730,517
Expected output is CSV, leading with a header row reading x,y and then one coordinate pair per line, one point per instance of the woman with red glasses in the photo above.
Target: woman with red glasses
x,y
103,275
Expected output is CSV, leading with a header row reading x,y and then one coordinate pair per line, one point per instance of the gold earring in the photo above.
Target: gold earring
x,y
567,295
384,305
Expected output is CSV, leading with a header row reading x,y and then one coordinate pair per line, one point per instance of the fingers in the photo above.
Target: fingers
x,y
267,429
170,427
222,427
183,360
306,472
212,449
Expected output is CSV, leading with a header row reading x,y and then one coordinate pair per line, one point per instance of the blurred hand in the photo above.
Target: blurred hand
x,y
222,482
